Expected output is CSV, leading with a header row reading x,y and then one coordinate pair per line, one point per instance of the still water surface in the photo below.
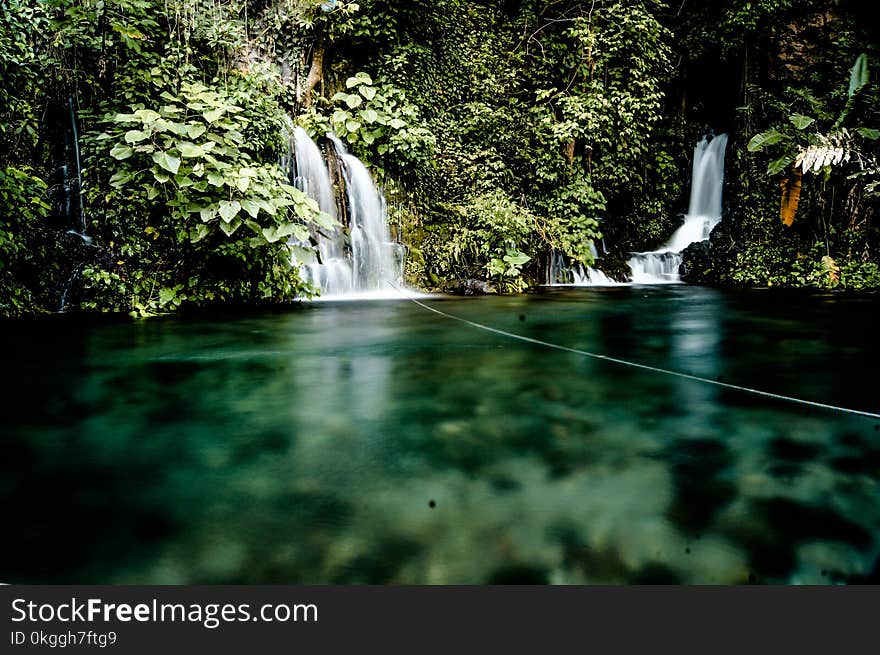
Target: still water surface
x,y
375,442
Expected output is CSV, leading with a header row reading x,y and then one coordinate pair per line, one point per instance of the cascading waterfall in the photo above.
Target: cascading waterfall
x,y
369,260
704,213
375,259
560,273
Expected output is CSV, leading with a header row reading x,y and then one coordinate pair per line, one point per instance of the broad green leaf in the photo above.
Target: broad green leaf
x,y
397,123
517,259
188,149
147,115
780,164
340,116
229,210
216,179
368,92
353,126
301,255
166,295
325,220
199,232
213,115
351,82
364,78
121,152
287,229
208,214
234,135
195,130
369,115
353,100
120,179
859,75
768,138
800,121
869,133
250,207
243,183
136,136
166,161
160,177
299,232
271,234
267,206
231,227
178,128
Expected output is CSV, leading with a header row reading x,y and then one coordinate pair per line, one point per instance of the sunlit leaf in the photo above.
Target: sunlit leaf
x,y
768,138
120,151
859,75
166,161
229,210
800,121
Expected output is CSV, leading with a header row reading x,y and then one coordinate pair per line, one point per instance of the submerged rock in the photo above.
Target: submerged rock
x,y
476,288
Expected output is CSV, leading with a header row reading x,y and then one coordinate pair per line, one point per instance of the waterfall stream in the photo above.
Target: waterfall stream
x,y
365,259
561,274
704,213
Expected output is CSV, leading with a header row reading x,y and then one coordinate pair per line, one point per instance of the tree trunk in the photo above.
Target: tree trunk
x,y
316,72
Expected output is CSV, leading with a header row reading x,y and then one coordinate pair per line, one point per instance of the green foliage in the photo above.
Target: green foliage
x,y
489,236
24,195
501,131
548,110
198,174
181,138
193,152
22,23
377,120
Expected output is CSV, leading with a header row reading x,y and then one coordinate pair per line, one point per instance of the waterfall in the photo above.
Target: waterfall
x,y
704,213
376,260
367,260
560,273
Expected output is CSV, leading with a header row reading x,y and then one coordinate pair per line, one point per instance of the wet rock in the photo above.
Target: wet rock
x,y
615,265
476,288
710,262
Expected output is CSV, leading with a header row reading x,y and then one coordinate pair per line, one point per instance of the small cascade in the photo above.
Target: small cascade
x,y
560,273
704,213
365,260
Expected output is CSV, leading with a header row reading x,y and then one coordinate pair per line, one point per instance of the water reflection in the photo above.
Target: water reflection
x,y
378,443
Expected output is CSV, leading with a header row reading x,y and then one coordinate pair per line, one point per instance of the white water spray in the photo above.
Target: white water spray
x,y
368,259
561,274
704,213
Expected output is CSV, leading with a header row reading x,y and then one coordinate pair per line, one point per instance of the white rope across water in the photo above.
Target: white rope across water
x,y
644,367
